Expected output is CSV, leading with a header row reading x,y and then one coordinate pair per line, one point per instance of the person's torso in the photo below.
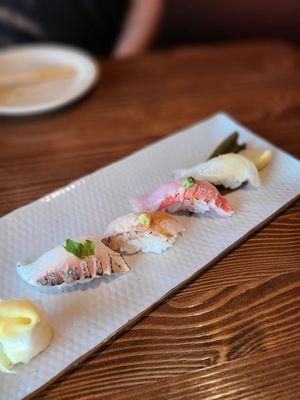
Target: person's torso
x,y
90,24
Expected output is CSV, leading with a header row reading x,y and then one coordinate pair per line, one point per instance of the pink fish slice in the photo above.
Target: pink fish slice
x,y
189,194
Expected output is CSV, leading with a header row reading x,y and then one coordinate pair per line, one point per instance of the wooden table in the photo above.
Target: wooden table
x,y
233,333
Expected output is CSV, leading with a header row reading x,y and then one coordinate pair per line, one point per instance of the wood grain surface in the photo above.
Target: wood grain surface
x,y
233,332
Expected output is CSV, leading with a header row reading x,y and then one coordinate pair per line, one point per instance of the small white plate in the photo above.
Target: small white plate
x,y
42,95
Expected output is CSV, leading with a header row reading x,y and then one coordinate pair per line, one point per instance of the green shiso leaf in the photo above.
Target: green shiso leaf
x,y
229,145
80,250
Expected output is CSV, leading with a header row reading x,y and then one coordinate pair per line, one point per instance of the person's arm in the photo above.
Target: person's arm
x,y
139,27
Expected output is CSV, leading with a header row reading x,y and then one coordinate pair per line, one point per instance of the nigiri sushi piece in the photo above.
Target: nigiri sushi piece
x,y
188,194
229,170
148,232
73,263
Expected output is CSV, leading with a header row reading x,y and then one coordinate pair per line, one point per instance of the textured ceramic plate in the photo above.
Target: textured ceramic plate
x,y
85,316
65,74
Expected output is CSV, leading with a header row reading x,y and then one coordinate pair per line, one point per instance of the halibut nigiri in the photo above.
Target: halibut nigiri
x,y
189,194
73,263
148,232
229,170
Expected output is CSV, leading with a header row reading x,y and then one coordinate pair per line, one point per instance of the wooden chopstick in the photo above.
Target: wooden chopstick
x,y
25,78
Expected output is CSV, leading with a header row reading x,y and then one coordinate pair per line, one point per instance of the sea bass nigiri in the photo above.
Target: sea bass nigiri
x,y
73,263
188,194
148,232
229,170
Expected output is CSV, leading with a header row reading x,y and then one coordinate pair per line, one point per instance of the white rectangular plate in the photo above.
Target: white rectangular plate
x,y
84,316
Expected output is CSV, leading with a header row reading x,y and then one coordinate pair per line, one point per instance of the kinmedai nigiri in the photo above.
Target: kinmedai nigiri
x,y
229,170
148,232
73,263
188,194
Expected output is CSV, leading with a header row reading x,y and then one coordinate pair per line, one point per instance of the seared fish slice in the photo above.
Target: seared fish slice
x,y
189,194
59,267
147,232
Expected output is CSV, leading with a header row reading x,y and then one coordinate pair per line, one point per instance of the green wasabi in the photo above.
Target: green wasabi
x,y
145,219
189,182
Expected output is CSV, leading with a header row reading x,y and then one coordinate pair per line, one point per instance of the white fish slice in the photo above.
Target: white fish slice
x,y
151,232
59,267
229,170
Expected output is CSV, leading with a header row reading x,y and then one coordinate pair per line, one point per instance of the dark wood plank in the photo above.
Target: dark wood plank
x,y
270,376
275,249
190,333
234,325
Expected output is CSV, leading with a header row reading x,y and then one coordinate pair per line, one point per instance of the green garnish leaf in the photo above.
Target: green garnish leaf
x,y
229,145
89,248
80,250
188,183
